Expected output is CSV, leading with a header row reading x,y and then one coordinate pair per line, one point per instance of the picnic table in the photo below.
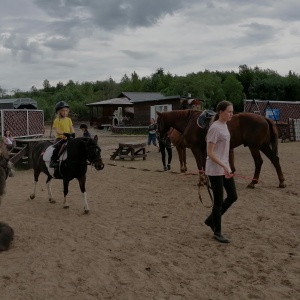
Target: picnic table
x,y
106,127
130,150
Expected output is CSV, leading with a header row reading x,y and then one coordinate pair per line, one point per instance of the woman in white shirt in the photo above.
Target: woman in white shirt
x,y
217,168
8,140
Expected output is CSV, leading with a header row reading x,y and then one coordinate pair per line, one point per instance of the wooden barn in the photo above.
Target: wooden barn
x,y
131,108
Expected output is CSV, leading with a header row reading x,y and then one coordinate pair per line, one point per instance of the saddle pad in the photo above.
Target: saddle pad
x,y
48,154
47,158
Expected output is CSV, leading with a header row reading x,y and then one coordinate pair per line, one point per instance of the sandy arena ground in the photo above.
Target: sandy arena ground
x,y
145,238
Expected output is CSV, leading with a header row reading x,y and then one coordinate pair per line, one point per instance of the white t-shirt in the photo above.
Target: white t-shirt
x,y
219,135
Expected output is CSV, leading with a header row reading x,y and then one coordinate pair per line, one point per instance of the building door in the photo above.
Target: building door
x,y
159,108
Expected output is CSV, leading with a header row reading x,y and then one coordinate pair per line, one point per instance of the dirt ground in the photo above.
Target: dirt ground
x,y
145,238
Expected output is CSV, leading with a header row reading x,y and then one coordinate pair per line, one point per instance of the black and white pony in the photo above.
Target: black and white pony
x,y
79,152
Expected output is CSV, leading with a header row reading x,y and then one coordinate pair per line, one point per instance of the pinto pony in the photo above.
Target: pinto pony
x,y
254,131
80,152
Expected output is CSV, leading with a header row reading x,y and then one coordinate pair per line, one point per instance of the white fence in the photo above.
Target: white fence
x,y
296,123
22,122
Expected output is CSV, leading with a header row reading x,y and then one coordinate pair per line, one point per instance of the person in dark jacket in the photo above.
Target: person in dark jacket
x,y
85,131
152,134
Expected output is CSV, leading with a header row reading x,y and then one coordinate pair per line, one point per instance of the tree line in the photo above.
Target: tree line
x,y
210,86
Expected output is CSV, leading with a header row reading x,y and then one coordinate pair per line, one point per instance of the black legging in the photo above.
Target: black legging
x,y
220,206
163,149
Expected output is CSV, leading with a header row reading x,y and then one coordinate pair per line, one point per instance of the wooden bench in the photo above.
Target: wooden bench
x,y
130,150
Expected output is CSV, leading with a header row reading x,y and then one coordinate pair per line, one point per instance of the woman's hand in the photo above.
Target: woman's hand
x,y
227,172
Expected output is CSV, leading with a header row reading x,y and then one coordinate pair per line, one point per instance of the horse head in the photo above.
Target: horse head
x,y
94,153
162,126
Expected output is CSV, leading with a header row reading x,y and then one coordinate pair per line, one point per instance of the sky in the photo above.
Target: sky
x,y
90,40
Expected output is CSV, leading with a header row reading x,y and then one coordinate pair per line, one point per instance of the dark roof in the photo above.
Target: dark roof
x,y
129,98
114,101
18,102
135,97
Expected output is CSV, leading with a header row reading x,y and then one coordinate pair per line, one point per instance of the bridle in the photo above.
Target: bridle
x,y
92,161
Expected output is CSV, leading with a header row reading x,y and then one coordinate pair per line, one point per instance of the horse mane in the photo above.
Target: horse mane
x,y
178,114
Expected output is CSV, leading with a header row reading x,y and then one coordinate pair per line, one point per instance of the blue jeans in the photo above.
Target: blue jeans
x,y
152,138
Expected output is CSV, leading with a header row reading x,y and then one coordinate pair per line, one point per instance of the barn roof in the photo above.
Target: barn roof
x,y
135,97
129,98
114,101
18,103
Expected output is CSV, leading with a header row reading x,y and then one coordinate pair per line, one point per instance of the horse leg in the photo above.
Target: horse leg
x,y
198,154
180,156
184,158
66,190
275,161
231,161
82,181
36,175
50,197
258,161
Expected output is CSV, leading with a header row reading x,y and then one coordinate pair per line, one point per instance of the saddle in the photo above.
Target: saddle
x,y
204,119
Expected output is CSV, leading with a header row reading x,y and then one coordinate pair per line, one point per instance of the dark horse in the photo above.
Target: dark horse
x,y
80,151
254,131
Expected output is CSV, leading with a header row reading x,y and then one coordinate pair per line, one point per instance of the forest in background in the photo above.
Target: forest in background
x,y
210,86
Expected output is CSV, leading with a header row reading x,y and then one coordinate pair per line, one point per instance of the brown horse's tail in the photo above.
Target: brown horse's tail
x,y
273,136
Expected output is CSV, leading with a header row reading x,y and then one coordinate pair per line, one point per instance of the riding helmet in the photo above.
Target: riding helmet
x,y
61,104
83,126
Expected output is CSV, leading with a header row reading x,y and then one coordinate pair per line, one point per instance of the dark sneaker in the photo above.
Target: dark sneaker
x,y
209,223
169,167
165,169
221,238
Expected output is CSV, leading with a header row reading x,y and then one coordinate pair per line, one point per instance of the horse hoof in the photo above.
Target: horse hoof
x,y
32,196
250,186
86,211
52,201
66,206
282,185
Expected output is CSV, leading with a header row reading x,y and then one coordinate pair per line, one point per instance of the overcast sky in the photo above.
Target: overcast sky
x,y
89,40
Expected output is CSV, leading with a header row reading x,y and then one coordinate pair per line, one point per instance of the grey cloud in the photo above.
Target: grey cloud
x,y
23,49
256,34
113,14
60,43
137,54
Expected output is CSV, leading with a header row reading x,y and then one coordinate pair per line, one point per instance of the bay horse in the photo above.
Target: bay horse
x,y
254,131
80,152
